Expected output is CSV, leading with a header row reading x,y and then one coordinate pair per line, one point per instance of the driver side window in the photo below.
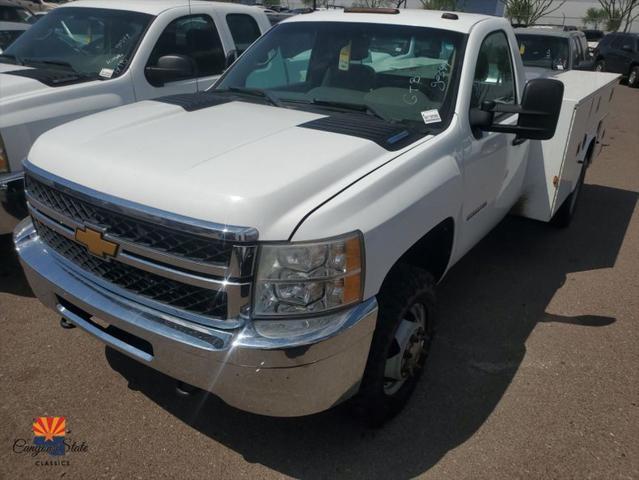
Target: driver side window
x,y
196,38
494,79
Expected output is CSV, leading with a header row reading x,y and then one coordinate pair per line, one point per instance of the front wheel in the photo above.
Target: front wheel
x,y
633,77
600,66
400,345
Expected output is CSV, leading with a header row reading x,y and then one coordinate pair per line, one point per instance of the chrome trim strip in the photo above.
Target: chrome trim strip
x,y
63,230
177,275
234,271
174,221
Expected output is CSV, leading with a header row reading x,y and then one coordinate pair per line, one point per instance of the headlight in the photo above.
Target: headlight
x,y
4,158
308,278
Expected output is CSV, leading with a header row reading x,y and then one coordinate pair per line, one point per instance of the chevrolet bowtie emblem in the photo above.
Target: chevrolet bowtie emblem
x,y
95,242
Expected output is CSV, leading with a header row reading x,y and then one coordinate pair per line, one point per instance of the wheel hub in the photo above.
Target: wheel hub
x,y
412,353
410,341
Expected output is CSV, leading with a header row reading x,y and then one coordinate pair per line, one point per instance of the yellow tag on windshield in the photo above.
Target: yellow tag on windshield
x,y
522,49
345,57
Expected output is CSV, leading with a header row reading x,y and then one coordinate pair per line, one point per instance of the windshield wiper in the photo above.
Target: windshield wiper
x,y
12,57
356,107
254,92
55,63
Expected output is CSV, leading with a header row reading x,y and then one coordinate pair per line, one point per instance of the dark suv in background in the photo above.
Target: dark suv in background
x,y
619,53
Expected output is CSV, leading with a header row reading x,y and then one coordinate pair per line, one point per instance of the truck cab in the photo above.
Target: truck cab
x,y
287,258
84,57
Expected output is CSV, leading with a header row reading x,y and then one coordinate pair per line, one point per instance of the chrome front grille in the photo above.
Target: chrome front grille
x,y
190,298
142,233
198,270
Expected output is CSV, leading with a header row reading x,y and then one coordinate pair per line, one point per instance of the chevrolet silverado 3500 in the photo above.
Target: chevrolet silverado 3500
x,y
277,239
88,56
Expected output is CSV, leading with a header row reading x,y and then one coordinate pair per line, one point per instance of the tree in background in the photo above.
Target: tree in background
x,y
620,13
527,12
594,16
450,5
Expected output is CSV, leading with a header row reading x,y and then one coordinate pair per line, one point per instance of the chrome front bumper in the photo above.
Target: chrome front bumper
x,y
12,204
270,376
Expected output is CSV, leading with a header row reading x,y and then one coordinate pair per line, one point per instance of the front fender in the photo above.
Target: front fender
x,y
395,205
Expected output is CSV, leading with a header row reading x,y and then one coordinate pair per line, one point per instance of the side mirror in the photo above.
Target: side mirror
x,y
170,68
585,65
538,112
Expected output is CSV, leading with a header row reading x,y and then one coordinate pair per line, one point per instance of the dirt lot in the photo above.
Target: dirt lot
x,y
535,372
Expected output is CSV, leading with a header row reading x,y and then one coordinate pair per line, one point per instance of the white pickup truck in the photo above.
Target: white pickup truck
x,y
277,240
88,56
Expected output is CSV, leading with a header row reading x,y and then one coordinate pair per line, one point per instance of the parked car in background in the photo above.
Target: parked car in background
x,y
547,50
88,56
619,53
40,5
9,32
12,12
593,37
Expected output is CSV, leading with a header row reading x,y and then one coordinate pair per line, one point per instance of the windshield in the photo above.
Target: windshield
x,y
89,41
545,52
397,71
10,13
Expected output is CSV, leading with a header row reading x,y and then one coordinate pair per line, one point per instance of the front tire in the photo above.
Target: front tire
x,y
600,66
400,346
633,77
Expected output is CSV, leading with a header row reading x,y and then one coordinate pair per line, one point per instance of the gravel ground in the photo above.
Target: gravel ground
x,y
534,373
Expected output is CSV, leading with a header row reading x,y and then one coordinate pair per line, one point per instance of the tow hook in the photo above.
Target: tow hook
x,y
66,324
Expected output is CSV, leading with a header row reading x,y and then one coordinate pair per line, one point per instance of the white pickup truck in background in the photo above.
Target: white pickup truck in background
x,y
277,240
88,56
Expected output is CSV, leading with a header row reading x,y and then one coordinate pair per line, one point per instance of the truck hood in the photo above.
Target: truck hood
x,y
238,163
15,86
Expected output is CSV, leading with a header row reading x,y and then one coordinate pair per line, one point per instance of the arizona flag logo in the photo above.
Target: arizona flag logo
x,y
49,432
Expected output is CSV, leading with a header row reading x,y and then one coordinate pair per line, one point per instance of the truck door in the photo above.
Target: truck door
x,y
194,36
493,165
